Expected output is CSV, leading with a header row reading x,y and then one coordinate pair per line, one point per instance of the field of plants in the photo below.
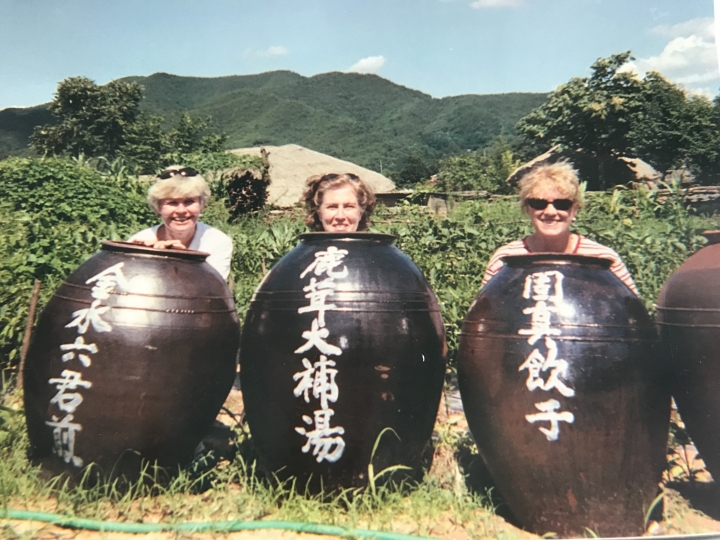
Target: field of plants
x,y
55,212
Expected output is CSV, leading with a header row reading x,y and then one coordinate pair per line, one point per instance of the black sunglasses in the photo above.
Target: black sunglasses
x,y
185,171
541,204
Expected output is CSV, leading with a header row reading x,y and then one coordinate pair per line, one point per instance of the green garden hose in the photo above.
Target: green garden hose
x,y
200,526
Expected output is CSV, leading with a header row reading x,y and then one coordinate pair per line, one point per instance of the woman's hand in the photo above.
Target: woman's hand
x,y
161,244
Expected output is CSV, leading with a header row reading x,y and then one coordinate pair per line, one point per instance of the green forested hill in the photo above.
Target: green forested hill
x,y
362,118
16,125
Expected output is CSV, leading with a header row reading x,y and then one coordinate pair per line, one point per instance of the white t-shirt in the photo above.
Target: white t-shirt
x,y
207,239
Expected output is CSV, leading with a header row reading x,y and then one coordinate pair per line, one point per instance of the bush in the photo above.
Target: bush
x,y
478,171
46,231
68,191
54,215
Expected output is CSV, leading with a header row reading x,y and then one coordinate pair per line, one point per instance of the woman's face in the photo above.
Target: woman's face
x,y
180,214
550,221
340,210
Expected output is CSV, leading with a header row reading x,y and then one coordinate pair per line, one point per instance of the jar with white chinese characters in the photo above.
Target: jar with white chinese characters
x,y
342,362
561,381
131,360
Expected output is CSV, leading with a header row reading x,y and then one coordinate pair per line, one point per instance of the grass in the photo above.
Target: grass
x,y
451,501
232,490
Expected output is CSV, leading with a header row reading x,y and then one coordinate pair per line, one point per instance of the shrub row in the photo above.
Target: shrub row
x,y
54,214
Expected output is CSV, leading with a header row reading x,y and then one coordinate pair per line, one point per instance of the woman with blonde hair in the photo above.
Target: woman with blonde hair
x,y
178,196
550,195
338,203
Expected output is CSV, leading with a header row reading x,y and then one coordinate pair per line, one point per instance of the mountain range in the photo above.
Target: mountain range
x,y
361,118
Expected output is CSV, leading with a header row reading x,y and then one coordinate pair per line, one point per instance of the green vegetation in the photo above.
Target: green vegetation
x,y
16,127
361,118
400,132
613,113
95,121
478,171
234,491
54,215
56,212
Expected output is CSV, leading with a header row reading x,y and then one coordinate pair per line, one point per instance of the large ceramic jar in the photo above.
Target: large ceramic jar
x,y
559,379
343,339
132,358
688,315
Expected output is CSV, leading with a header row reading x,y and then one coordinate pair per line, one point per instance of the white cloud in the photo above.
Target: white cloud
x,y
690,58
703,27
483,4
371,64
275,50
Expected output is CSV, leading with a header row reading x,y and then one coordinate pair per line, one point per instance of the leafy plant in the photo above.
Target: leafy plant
x,y
478,171
246,191
94,121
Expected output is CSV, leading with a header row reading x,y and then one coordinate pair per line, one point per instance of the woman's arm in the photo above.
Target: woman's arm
x,y
149,237
495,263
593,249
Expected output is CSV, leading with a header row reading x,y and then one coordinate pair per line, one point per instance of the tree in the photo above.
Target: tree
x,y
593,113
189,136
106,121
92,120
704,138
149,147
673,130
486,170
414,170
145,143
660,130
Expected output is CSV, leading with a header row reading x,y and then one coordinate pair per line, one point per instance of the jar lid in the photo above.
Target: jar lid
x,y
139,249
537,259
347,237
713,237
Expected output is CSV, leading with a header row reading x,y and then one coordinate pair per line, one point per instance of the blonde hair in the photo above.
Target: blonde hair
x,y
316,186
561,175
177,187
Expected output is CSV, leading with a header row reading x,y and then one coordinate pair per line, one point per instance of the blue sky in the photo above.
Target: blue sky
x,y
441,47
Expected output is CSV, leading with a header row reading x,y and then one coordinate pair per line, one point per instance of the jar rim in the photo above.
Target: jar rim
x,y
713,237
139,249
555,258
347,236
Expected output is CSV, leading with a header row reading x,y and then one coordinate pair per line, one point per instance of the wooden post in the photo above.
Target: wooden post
x,y
28,331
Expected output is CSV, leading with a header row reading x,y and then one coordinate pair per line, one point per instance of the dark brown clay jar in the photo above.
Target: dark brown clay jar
x,y
688,316
557,370
132,358
343,339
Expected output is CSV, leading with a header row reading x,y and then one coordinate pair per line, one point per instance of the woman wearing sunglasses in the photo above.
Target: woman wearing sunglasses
x,y
178,196
338,203
550,196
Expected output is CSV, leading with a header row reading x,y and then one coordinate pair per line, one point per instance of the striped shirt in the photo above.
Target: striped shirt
x,y
583,246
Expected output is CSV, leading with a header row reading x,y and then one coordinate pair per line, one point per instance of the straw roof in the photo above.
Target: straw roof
x,y
291,165
618,170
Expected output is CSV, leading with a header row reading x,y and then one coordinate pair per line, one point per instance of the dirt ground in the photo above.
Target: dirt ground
x,y
690,507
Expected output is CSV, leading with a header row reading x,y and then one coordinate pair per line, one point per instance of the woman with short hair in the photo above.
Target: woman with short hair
x,y
178,196
338,203
550,195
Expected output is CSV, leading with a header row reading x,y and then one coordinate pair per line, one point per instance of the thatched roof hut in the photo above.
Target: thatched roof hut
x,y
291,165
618,170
